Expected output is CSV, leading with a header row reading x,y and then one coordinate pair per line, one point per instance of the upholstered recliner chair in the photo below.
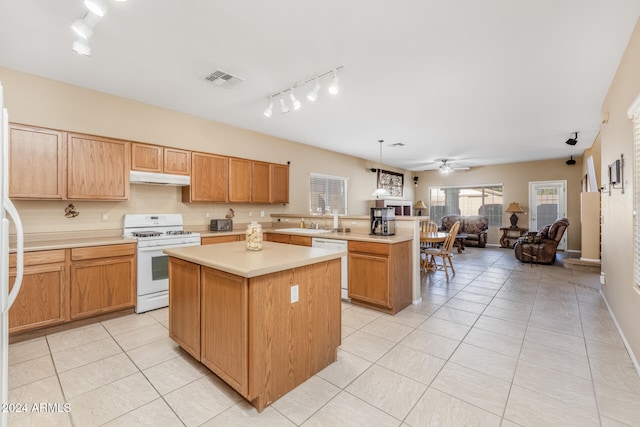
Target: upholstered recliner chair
x,y
540,247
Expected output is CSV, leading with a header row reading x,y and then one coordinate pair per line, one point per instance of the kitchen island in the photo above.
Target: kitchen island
x,y
263,321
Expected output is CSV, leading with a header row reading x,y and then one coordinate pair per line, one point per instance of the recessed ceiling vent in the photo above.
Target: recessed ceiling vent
x,y
223,79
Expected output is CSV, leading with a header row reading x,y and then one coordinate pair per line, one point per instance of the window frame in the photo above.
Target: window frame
x,y
343,181
483,188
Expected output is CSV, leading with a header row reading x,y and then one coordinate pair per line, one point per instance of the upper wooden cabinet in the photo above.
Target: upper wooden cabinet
x,y
154,158
209,179
37,163
97,167
260,182
279,183
240,180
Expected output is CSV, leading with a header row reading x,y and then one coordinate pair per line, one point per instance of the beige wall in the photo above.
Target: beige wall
x,y
41,102
617,209
515,178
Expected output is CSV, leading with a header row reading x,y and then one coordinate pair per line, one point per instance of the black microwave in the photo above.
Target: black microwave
x,y
221,225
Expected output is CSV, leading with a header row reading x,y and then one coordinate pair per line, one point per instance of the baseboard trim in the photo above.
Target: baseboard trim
x,y
417,301
632,356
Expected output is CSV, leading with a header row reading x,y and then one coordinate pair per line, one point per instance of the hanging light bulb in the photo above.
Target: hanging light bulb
x,y
313,95
334,88
283,106
294,101
269,110
380,191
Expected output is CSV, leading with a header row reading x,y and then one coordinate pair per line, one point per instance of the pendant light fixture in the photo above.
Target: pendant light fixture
x,y
380,191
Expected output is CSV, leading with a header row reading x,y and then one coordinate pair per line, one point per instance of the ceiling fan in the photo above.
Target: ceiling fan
x,y
447,167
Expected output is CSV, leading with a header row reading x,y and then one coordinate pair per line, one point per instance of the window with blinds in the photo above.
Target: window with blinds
x,y
636,190
327,194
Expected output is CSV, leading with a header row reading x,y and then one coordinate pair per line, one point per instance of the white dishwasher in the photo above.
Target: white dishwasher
x,y
340,245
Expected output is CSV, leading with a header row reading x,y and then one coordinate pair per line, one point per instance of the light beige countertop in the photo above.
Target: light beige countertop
x,y
234,257
358,236
51,241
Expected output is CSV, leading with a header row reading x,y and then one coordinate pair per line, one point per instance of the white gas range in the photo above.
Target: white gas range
x,y
154,233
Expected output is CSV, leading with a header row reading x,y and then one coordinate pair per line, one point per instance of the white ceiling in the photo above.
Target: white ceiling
x,y
480,83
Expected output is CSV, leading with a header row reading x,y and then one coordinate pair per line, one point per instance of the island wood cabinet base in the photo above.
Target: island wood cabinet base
x,y
249,333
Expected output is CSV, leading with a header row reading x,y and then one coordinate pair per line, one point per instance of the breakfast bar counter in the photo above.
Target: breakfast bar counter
x,y
263,321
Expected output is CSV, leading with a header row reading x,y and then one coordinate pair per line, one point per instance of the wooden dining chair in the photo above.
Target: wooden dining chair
x,y
426,226
443,252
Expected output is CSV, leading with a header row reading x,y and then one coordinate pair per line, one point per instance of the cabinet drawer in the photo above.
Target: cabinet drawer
x,y
370,248
211,240
39,257
79,254
300,240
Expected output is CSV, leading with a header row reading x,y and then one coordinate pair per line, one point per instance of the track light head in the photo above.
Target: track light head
x,y
98,7
81,47
294,101
313,95
572,141
283,106
334,87
82,29
269,110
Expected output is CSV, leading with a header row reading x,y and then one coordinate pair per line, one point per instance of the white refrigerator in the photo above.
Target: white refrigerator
x,y
7,209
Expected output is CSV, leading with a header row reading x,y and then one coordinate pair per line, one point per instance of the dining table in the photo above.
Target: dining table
x,y
429,240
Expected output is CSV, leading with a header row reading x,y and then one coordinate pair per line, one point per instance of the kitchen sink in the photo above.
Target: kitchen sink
x,y
304,230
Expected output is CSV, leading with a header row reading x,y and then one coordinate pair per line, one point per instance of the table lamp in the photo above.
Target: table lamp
x,y
419,206
514,208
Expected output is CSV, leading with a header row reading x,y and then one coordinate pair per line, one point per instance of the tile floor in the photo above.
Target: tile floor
x,y
501,343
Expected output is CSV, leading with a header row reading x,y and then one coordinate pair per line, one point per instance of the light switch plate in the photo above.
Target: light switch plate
x,y
294,294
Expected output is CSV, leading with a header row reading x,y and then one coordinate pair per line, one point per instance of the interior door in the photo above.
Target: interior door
x,y
547,202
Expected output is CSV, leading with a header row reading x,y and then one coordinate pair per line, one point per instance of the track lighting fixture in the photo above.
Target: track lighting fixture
x,y
572,141
312,96
334,88
83,26
98,7
294,101
283,106
269,110
81,47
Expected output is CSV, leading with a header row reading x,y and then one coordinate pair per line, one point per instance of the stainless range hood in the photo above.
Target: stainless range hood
x,y
152,178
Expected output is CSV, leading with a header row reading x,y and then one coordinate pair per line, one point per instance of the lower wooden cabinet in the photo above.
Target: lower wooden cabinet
x,y
184,305
225,330
380,275
103,279
43,298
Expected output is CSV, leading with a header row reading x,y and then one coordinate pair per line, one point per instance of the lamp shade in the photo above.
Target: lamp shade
x,y
514,208
419,205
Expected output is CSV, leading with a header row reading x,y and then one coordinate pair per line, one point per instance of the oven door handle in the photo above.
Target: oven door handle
x,y
162,247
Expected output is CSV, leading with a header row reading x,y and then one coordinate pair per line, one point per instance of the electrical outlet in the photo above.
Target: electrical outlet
x,y
105,216
294,294
262,214
250,213
207,215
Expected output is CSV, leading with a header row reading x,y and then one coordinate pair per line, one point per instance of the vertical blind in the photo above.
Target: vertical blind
x,y
327,194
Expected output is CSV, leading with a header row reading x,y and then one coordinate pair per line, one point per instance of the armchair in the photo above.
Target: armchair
x,y
541,246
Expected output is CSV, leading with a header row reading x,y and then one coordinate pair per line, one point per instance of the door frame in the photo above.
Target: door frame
x,y
562,205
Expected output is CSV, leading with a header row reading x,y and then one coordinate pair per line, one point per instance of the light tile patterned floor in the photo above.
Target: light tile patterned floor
x,y
500,343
